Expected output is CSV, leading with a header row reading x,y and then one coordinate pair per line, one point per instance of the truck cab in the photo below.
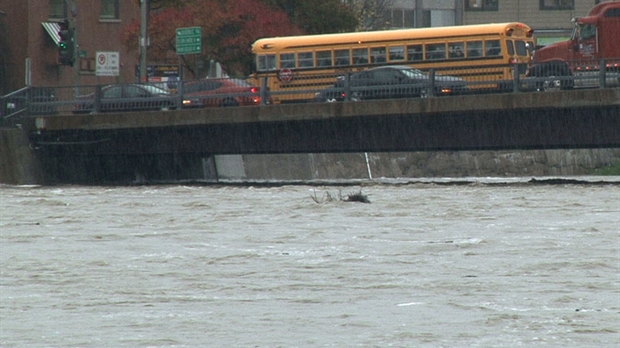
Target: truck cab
x,y
577,62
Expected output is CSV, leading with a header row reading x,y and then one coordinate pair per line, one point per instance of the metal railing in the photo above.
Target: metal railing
x,y
68,100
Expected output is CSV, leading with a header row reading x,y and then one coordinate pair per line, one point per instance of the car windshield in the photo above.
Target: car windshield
x,y
241,82
413,73
154,90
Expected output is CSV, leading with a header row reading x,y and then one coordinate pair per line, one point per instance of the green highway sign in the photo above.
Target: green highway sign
x,y
189,40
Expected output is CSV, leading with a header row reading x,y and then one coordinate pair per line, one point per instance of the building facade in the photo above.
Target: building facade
x,y
29,41
551,19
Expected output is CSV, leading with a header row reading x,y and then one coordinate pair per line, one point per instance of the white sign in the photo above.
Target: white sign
x,y
107,64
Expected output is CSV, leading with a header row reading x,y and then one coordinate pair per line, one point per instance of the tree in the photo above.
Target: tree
x,y
370,14
318,16
228,30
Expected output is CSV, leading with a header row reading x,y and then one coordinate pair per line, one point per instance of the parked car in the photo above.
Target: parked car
x,y
132,97
391,82
220,92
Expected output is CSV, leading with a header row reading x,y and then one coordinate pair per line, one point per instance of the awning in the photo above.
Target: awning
x,y
52,28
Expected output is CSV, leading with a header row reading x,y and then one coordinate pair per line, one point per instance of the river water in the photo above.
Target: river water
x,y
478,263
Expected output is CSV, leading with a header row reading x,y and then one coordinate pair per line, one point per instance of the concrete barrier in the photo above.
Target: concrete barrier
x,y
18,162
182,145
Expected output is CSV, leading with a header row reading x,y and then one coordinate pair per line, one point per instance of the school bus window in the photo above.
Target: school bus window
x,y
530,47
436,51
414,52
474,49
360,56
324,58
287,60
456,50
305,59
493,48
377,55
511,47
521,48
267,62
397,53
343,57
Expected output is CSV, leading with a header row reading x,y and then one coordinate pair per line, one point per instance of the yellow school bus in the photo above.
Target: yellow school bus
x,y
484,52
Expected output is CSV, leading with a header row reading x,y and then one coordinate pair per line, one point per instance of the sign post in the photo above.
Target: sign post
x,y
189,40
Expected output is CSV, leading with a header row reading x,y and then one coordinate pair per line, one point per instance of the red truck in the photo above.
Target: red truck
x,y
577,62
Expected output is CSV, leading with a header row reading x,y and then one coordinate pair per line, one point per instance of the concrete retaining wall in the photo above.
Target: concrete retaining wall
x,y
426,164
18,163
20,166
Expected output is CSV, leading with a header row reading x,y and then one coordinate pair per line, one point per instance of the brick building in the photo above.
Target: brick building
x,y
29,41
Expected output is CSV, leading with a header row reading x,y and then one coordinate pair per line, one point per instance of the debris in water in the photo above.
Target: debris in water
x,y
351,197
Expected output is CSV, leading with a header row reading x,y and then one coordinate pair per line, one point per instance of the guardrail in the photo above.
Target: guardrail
x,y
67,100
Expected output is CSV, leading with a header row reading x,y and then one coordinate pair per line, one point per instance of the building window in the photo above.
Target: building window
x,y
401,18
58,9
481,5
557,4
109,9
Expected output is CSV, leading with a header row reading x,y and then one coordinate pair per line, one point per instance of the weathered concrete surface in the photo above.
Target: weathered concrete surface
x,y
18,163
323,111
479,135
581,119
428,164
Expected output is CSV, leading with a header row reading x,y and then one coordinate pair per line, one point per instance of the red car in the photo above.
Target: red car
x,y
220,92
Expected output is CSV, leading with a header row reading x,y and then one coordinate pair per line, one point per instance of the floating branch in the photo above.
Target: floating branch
x,y
357,197
351,197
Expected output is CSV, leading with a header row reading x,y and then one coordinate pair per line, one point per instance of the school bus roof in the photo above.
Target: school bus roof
x,y
291,42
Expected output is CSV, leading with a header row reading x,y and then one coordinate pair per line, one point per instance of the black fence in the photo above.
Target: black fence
x,y
345,86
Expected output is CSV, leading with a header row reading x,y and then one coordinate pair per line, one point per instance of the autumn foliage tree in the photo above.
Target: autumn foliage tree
x,y
228,30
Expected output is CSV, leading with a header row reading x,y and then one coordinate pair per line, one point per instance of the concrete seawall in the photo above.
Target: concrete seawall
x,y
422,164
19,164
567,133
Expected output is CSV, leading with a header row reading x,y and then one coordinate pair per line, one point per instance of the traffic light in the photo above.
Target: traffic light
x,y
66,45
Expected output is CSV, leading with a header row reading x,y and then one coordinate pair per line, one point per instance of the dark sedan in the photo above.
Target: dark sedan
x,y
391,82
133,97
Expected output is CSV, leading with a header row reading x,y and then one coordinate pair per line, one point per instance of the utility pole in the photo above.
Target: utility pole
x,y
144,15
76,47
72,8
